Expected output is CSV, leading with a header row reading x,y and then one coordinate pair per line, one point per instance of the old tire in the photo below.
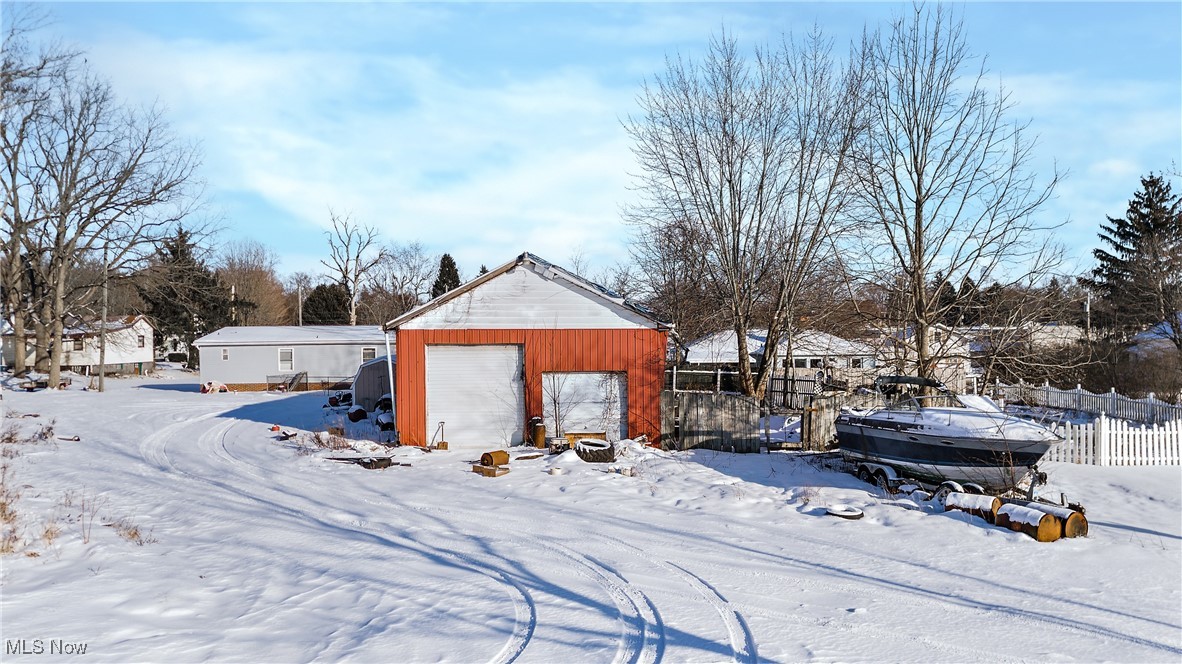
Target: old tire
x,y
844,511
357,414
595,451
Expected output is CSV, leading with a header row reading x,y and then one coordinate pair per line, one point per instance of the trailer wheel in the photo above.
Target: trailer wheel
x,y
974,488
946,488
881,481
864,475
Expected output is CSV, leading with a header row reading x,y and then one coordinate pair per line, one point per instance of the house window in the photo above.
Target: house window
x,y
140,341
78,344
800,363
286,359
225,353
368,354
815,363
855,362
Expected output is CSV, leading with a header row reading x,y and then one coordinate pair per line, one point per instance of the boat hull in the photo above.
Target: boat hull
x,y
996,463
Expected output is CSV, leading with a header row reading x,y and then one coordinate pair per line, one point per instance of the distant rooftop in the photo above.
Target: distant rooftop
x,y
292,334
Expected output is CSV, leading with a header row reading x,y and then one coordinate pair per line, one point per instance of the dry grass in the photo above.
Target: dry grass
x,y
10,493
132,532
321,440
89,505
11,540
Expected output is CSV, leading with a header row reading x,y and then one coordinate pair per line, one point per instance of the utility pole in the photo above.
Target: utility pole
x,y
300,304
103,323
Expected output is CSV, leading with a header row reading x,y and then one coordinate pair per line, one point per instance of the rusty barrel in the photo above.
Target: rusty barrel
x,y
1041,526
494,458
1074,523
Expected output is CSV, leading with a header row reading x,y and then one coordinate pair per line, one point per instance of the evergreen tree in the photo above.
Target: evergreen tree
x,y
327,304
945,299
449,276
1139,274
182,295
969,307
483,269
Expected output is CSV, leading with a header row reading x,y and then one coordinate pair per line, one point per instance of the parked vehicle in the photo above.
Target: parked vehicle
x,y
928,433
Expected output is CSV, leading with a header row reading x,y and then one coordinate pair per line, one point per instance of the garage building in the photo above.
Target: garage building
x,y
527,340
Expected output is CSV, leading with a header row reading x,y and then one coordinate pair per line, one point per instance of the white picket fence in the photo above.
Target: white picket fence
x,y
1149,410
1112,442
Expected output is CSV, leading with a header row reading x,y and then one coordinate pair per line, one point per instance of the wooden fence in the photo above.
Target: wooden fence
x,y
818,427
725,422
1149,410
782,392
1112,442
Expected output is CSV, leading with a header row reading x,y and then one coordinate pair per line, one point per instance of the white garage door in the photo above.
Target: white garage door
x,y
476,391
586,402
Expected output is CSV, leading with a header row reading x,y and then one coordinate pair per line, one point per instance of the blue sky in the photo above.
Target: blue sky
x,y
485,130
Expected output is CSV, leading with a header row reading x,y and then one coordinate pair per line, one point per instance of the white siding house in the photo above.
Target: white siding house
x,y
129,347
808,352
255,357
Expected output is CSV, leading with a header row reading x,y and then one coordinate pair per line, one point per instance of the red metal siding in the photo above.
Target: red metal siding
x,y
638,353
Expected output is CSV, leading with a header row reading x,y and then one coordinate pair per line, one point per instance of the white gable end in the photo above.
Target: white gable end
x,y
523,299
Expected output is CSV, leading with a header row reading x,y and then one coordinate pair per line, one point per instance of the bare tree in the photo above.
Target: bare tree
x,y
24,97
942,181
673,283
749,161
99,177
248,269
354,252
578,263
297,287
399,282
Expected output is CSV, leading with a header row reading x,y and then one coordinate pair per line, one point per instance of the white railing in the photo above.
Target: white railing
x,y
1150,410
1111,442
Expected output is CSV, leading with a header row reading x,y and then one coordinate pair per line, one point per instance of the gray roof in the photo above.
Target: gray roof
x,y
263,335
603,292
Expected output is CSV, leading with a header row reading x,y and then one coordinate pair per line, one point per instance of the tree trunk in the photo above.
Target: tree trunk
x,y
57,328
42,341
20,344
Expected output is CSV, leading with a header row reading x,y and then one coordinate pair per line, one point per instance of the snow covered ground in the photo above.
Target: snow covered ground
x,y
256,551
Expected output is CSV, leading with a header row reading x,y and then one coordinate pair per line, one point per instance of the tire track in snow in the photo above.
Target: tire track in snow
x,y
155,449
642,630
525,610
742,640
736,625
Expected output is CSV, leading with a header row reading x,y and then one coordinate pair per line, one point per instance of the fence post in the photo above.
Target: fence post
x,y
717,380
674,377
1152,409
1102,450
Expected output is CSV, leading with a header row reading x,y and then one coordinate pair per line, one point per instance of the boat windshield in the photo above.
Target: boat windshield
x,y
950,400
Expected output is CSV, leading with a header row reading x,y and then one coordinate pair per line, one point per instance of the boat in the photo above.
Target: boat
x,y
927,433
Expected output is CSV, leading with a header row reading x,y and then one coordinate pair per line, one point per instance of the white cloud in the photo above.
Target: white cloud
x,y
483,170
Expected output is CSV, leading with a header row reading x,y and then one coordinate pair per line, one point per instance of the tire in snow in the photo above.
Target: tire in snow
x,y
595,451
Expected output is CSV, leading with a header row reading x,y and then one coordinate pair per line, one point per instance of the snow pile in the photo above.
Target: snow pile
x,y
187,530
1020,514
970,501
